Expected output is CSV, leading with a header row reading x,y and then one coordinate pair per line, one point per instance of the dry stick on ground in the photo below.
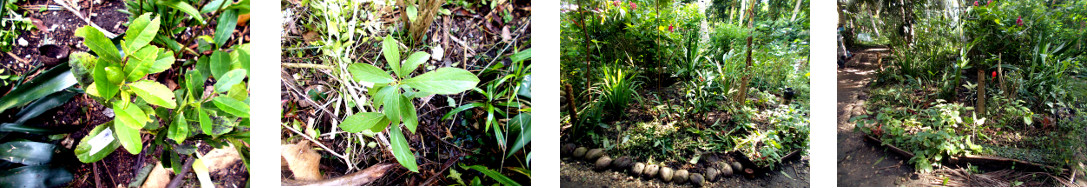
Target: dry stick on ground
x,y
85,19
176,182
444,167
307,65
363,177
97,180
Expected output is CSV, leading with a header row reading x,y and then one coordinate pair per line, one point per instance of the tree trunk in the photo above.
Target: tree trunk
x,y
980,107
588,64
796,9
427,9
742,96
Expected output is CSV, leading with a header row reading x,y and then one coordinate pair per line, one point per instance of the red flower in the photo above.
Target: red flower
x,y
1019,21
990,2
633,6
994,74
616,3
976,3
670,28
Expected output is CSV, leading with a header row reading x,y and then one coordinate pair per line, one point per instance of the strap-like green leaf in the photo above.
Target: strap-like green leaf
x,y
183,7
35,176
461,109
407,112
413,62
140,32
232,106
129,137
220,64
520,127
99,44
401,150
154,93
506,181
51,81
227,21
179,129
444,81
140,63
362,72
391,49
27,152
84,149
362,121
229,79
129,115
43,104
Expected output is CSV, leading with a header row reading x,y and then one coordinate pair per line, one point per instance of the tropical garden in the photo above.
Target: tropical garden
x,y
714,93
406,92
124,93
971,93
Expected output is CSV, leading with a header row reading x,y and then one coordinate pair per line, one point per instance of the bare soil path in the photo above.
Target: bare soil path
x,y
861,163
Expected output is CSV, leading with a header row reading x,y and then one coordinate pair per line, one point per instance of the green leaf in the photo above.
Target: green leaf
x,y
205,121
194,82
129,115
444,81
165,59
98,144
183,7
140,63
413,62
231,106
99,44
522,55
362,72
129,137
407,112
506,181
461,109
27,152
383,91
220,64
82,64
179,130
44,104
154,93
521,127
392,106
391,49
227,21
229,79
401,150
363,121
51,81
213,6
140,32
412,13
35,176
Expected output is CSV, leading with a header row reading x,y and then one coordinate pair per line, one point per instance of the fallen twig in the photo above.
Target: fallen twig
x,y
363,177
85,19
318,144
174,183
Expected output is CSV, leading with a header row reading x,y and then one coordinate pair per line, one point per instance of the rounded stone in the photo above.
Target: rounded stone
x,y
736,167
580,152
602,163
711,174
637,169
666,174
622,163
651,171
697,180
726,170
681,176
568,149
594,154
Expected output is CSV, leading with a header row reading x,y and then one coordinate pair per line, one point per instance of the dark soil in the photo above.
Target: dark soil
x,y
436,147
861,163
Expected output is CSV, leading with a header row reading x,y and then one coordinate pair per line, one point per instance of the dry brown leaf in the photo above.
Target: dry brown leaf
x,y
221,158
159,177
302,161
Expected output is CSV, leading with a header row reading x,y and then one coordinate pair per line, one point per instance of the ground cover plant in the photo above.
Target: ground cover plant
x,y
413,92
683,85
85,90
998,84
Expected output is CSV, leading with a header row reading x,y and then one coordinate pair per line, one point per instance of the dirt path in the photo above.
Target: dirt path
x,y
861,163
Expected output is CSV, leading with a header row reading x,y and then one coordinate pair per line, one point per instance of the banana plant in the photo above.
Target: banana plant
x,y
393,94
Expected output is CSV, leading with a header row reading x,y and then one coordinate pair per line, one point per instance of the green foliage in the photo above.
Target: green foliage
x,y
116,75
395,94
618,89
30,157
